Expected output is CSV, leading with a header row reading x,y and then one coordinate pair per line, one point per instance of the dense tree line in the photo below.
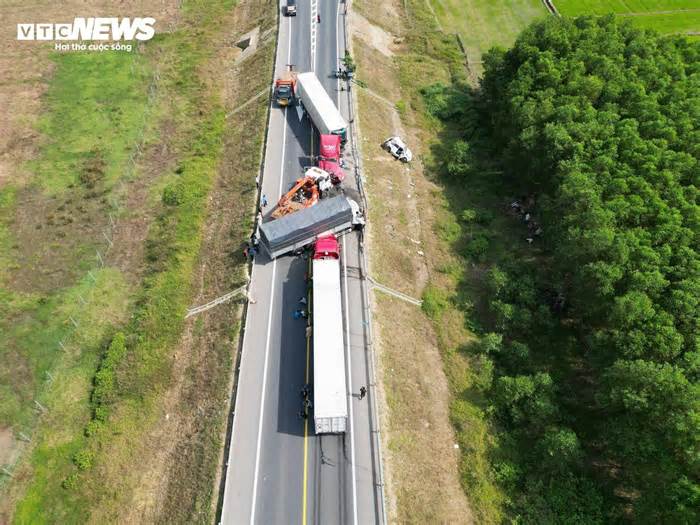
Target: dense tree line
x,y
596,345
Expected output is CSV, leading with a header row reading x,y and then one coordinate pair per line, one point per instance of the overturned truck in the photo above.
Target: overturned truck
x,y
293,232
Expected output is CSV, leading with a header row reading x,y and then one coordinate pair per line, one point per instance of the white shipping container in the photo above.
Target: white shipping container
x,y
320,107
330,391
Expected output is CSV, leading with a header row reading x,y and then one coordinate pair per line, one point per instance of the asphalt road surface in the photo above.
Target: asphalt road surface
x,y
278,470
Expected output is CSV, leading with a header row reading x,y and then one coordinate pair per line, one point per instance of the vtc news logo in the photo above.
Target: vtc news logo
x,y
90,29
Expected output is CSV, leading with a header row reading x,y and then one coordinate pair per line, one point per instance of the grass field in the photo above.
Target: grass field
x,y
57,301
131,161
666,16
484,24
113,105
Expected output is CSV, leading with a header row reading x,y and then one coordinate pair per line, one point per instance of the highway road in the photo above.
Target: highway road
x,y
278,470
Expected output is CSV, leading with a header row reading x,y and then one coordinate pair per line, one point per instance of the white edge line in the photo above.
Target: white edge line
x,y
313,34
262,398
349,376
269,313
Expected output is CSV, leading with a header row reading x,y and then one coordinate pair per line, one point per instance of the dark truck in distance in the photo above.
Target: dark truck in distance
x,y
293,232
291,8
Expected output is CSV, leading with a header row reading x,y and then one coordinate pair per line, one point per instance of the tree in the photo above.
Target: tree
x,y
526,400
602,121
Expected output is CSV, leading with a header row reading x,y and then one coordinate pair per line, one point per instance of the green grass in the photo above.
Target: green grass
x,y
666,16
96,133
66,395
97,107
602,7
483,24
32,328
670,23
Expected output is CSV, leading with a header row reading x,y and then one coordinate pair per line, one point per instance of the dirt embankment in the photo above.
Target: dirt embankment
x,y
422,461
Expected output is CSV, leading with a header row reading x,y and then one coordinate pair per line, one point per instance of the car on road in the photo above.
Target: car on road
x,y
291,8
398,149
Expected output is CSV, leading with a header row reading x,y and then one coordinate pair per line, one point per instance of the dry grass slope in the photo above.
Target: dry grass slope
x,y
421,459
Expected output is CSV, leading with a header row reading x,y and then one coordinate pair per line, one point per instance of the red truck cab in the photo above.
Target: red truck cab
x,y
327,247
329,157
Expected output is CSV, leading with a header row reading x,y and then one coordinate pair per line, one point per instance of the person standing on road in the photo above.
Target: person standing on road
x,y
264,200
363,392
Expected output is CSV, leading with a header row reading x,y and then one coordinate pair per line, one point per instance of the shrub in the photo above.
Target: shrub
x,y
435,301
173,195
459,159
496,280
94,427
490,343
476,248
71,481
83,459
468,215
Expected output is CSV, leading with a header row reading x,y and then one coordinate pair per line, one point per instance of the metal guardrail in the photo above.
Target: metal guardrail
x,y
395,293
219,300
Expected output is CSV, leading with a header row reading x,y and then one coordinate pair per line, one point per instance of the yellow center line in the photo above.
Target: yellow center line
x,y
306,420
306,455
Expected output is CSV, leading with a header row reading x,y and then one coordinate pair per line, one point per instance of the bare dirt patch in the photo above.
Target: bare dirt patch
x,y
7,446
48,229
385,14
421,443
131,229
372,35
381,82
